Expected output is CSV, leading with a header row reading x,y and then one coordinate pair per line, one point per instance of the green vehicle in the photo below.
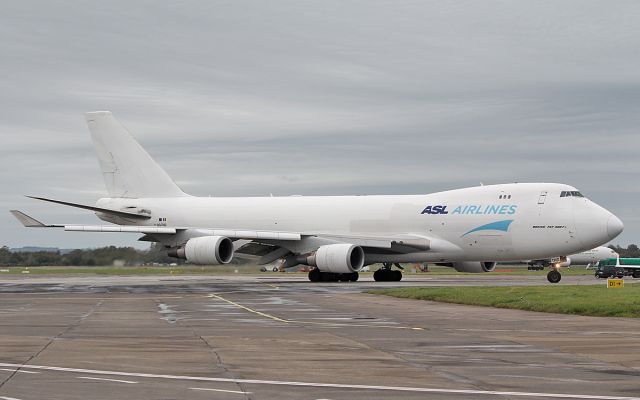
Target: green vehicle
x,y
628,267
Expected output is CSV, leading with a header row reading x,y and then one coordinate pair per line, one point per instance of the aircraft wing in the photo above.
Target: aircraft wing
x,y
31,222
399,243
117,213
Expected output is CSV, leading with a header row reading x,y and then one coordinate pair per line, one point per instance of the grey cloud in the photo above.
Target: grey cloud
x,y
332,97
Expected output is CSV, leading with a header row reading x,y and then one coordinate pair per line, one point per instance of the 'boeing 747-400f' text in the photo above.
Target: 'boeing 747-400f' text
x,y
469,229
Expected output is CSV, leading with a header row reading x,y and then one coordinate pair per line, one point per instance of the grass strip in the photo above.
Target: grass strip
x,y
592,300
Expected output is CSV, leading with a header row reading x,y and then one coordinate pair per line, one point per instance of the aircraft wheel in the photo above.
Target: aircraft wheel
x,y
328,277
387,275
636,274
353,277
315,275
554,276
378,276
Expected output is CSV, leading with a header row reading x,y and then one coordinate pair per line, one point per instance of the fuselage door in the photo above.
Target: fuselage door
x,y
543,197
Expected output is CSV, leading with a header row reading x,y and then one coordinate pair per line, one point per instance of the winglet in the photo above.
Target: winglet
x,y
26,220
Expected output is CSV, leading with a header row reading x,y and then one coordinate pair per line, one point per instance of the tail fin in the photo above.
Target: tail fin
x,y
128,170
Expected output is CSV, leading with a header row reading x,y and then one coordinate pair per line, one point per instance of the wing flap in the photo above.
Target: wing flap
x,y
119,228
381,241
252,235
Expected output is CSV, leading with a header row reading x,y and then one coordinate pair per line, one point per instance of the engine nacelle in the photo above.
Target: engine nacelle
x,y
340,258
474,266
206,250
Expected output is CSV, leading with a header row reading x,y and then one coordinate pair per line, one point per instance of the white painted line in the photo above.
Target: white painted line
x,y
545,378
221,390
105,379
488,346
19,370
325,385
8,398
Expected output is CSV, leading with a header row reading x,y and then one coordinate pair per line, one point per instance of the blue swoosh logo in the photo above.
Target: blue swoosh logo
x,y
493,226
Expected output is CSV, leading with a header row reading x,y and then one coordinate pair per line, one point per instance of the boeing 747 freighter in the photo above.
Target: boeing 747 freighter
x,y
468,229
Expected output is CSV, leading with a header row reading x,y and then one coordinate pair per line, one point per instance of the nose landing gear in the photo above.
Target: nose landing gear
x,y
554,276
386,274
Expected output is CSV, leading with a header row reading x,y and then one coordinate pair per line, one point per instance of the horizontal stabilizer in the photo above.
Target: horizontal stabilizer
x,y
123,214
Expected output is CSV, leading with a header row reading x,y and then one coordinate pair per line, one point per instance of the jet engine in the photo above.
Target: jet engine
x,y
206,250
339,258
474,266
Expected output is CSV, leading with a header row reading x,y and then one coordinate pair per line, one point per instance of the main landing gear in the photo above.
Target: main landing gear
x,y
554,276
315,275
386,274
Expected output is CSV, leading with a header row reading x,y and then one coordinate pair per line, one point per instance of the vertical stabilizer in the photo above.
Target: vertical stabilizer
x,y
128,170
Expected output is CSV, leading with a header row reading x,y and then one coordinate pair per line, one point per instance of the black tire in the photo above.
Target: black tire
x,y
328,277
315,275
554,276
636,274
378,276
354,276
397,276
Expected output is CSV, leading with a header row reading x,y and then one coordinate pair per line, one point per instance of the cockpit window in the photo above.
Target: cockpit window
x,y
566,193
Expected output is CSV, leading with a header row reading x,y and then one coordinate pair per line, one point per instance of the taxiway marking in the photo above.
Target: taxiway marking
x,y
251,310
289,321
325,385
105,379
221,390
18,370
487,346
542,377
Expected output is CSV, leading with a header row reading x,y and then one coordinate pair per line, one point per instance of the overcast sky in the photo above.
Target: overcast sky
x,y
325,97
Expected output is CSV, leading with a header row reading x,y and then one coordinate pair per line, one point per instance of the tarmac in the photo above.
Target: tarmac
x,y
274,336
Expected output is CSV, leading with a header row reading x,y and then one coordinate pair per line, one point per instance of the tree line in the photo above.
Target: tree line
x,y
104,256
87,257
631,251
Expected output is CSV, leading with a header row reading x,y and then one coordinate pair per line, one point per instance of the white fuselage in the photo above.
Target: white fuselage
x,y
592,256
486,223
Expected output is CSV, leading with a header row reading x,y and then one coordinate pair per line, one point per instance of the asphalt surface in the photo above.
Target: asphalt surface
x,y
271,336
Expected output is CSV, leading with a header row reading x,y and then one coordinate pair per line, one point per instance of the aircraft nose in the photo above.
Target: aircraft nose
x,y
614,226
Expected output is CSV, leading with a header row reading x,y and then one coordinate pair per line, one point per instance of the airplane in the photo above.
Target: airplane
x,y
336,235
588,258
